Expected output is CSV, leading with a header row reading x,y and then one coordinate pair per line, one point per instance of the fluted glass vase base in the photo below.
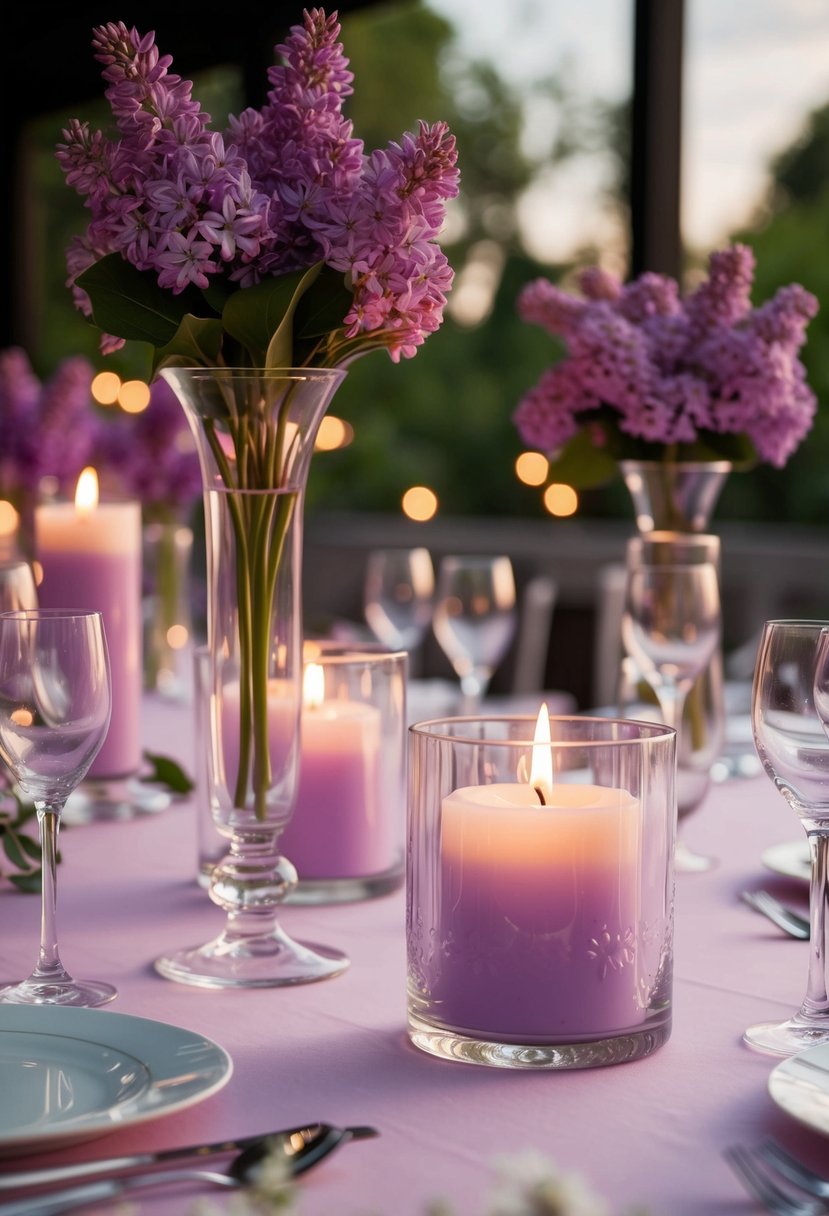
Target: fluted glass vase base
x,y
269,960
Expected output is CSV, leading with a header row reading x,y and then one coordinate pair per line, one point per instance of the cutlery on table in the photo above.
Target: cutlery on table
x,y
241,1172
303,1146
783,1185
785,918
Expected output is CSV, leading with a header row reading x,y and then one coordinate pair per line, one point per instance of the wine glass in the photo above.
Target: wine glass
x,y
789,695
17,586
474,619
671,627
55,708
399,588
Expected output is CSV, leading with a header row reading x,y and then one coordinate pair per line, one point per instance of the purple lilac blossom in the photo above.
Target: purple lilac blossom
x,y
47,429
283,188
673,371
154,455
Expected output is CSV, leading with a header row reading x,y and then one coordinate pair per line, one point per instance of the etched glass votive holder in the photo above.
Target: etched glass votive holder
x,y
540,888
345,836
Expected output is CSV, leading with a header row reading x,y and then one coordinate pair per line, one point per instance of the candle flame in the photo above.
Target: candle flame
x,y
541,768
313,686
86,493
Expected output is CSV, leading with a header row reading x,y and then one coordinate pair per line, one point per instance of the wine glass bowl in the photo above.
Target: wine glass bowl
x,y
671,628
788,699
475,618
55,706
398,594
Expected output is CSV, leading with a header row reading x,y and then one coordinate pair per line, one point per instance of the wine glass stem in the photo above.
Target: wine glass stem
x,y
672,703
49,966
816,1002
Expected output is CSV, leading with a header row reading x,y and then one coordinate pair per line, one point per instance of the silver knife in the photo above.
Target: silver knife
x,y
296,1141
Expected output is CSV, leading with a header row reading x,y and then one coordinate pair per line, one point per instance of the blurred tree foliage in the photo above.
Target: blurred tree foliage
x,y
444,418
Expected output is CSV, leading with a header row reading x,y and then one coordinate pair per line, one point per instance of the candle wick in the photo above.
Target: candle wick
x,y
540,793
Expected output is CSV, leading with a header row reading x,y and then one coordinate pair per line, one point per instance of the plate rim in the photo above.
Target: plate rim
x,y
112,1030
781,1080
769,858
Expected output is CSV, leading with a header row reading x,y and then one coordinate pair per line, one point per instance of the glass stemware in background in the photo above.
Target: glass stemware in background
x,y
671,627
474,619
17,586
399,588
55,705
789,696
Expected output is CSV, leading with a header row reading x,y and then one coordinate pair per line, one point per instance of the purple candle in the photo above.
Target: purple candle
x,y
539,912
90,556
341,826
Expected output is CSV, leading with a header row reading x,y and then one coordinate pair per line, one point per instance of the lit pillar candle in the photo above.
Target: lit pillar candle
x,y
90,556
340,827
539,908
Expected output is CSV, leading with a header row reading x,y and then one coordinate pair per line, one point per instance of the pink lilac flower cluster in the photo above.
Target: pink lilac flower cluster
x,y
670,371
154,457
47,428
284,187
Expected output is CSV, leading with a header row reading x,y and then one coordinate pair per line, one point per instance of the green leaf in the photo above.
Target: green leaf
x,y
280,352
581,464
32,847
255,315
321,310
130,304
197,342
167,772
30,883
15,854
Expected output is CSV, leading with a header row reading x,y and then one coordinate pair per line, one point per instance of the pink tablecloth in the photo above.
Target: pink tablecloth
x,y
650,1132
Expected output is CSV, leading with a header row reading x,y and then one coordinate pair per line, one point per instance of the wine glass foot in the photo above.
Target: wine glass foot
x,y
82,994
785,1038
267,960
686,861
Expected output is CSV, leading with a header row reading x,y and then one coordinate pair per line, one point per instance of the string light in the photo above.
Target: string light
x,y
560,499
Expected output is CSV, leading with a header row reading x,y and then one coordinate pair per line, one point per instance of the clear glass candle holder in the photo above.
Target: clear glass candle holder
x,y
539,933
345,835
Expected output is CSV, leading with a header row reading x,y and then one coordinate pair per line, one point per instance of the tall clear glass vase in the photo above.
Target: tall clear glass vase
x,y
255,433
673,504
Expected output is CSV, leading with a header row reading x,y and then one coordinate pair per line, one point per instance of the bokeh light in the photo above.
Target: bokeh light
x,y
532,468
134,396
105,388
420,503
560,499
333,433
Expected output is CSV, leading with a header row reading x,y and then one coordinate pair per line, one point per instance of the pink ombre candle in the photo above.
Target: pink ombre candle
x,y
340,827
90,556
539,911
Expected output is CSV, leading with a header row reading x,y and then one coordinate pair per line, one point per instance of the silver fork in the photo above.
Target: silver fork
x,y
789,1166
760,1181
785,918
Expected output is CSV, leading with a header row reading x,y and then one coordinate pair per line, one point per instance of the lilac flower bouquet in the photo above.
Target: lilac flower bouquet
x,y
648,375
276,243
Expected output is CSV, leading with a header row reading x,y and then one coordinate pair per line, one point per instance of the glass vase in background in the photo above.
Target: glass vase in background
x,y
673,503
255,432
168,619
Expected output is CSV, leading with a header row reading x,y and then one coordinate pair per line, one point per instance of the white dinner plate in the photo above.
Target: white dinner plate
x,y
800,1085
790,859
68,1075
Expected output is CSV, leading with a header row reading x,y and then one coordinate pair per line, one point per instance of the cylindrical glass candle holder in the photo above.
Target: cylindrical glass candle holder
x,y
345,836
540,899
